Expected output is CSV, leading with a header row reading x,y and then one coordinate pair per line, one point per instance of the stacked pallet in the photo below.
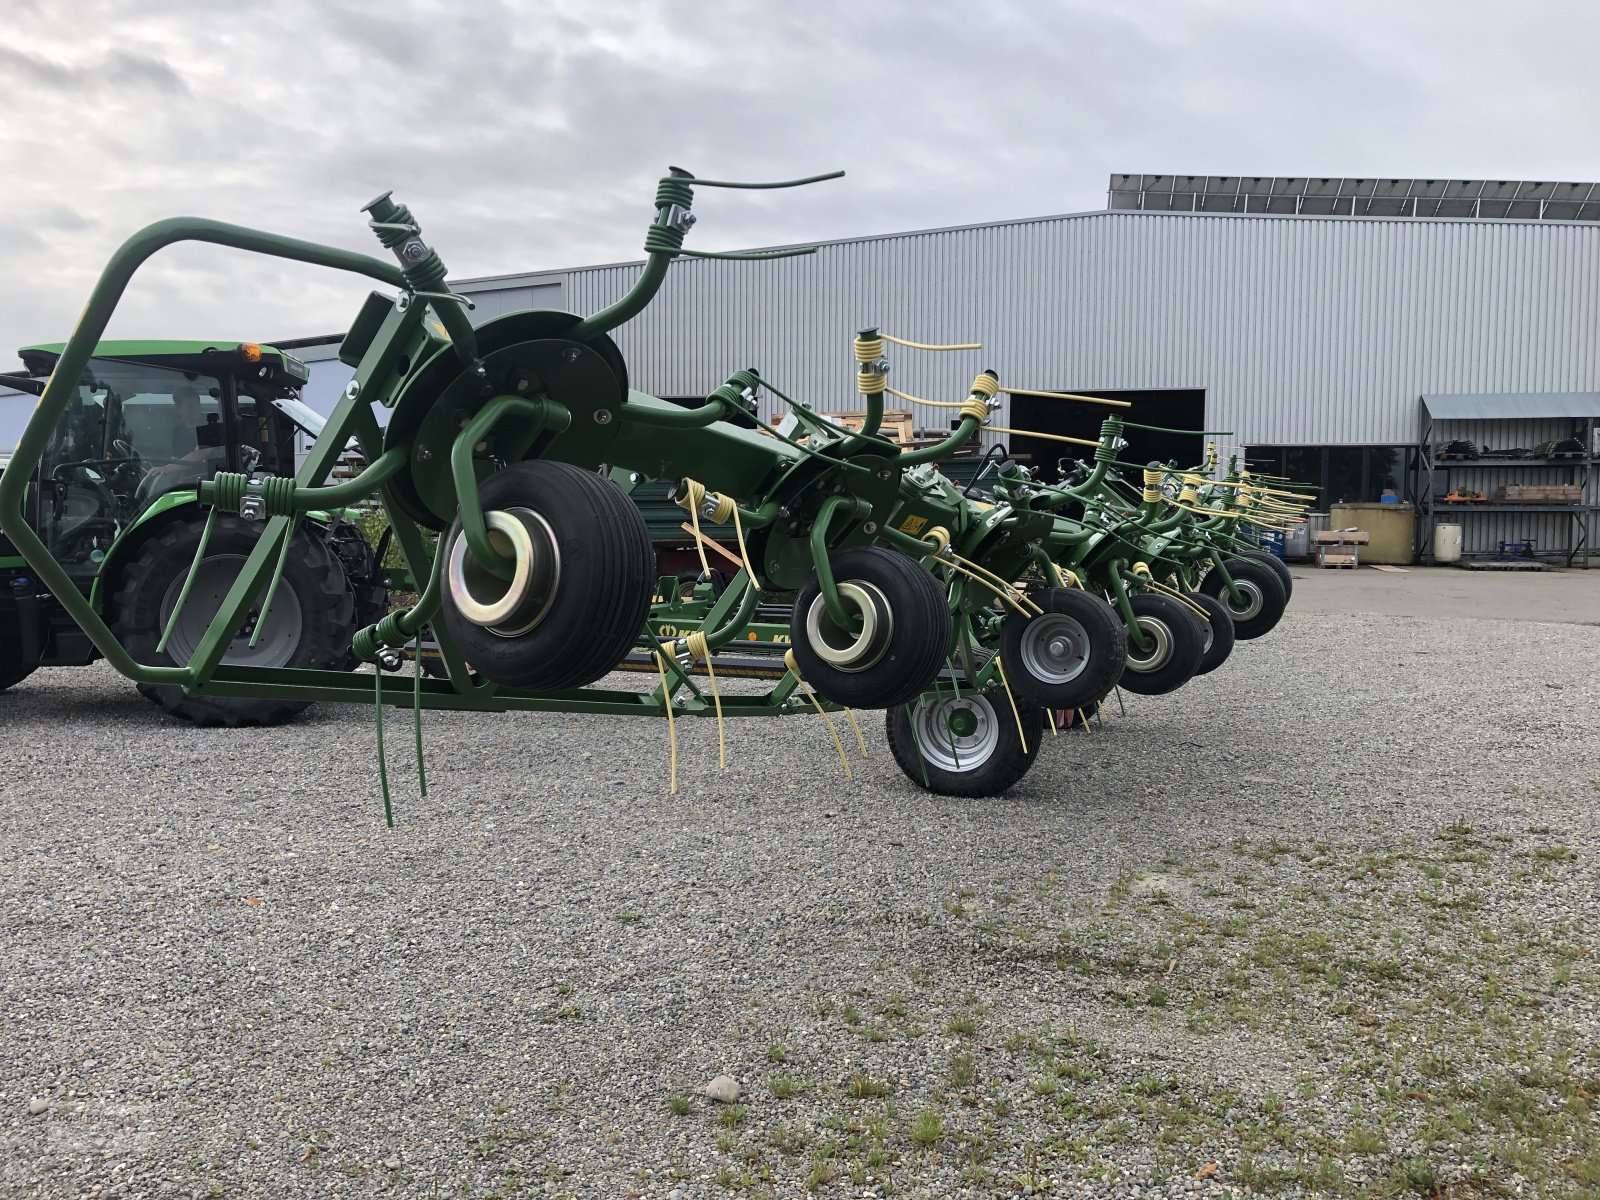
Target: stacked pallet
x,y
1340,547
1540,493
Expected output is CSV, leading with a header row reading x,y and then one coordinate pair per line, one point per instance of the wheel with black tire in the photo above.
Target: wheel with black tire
x,y
13,669
309,622
1069,656
1218,634
584,576
899,637
1262,596
1279,568
964,746
1175,644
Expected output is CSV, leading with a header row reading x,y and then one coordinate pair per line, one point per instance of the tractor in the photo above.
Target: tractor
x,y
114,497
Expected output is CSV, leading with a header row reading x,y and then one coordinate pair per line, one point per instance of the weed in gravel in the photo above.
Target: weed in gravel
x,y
926,1129
862,1087
962,1023
963,1068
786,1087
680,1105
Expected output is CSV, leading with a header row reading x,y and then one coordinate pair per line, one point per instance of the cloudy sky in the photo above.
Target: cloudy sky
x,y
527,134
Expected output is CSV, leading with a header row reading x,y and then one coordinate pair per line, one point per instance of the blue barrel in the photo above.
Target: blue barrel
x,y
1271,540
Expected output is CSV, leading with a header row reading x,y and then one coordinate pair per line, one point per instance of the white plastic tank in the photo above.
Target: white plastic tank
x,y
1447,543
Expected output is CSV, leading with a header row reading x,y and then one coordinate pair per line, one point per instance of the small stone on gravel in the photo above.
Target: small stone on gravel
x,y
724,1089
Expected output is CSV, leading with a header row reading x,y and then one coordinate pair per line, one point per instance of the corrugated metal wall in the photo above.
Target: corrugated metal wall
x,y
1301,330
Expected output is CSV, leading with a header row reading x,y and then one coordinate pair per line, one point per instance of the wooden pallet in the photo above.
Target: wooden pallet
x,y
1336,561
1490,564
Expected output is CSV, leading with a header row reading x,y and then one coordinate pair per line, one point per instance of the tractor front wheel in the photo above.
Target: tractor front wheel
x,y
308,624
967,745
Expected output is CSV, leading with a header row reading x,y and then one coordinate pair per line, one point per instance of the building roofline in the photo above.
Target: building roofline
x,y
513,279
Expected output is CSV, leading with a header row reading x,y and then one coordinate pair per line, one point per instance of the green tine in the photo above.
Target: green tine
x,y
416,711
383,770
199,554
277,576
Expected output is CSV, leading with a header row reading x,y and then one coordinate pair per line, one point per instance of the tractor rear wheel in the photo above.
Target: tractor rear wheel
x,y
900,638
1069,656
967,745
1175,646
13,670
581,590
309,623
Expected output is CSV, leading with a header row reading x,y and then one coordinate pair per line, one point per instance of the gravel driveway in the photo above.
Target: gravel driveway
x,y
1322,923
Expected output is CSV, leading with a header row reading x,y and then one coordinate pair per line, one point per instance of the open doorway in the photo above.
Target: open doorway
x,y
1171,408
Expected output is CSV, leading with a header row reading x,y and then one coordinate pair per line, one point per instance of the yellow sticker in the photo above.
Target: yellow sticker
x,y
913,525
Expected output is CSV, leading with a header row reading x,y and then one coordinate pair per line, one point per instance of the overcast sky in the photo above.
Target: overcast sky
x,y
527,134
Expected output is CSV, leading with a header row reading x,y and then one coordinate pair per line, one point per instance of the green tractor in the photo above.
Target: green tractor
x,y
114,499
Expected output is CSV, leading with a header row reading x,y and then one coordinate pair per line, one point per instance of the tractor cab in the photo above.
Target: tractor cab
x,y
147,423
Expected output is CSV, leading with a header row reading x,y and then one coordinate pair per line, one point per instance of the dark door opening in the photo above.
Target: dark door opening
x,y
1173,408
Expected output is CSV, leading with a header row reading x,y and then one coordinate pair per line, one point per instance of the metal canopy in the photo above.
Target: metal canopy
x,y
1494,406
1332,195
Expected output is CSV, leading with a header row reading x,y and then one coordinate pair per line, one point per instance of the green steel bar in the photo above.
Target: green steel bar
x,y
470,510
68,372
831,600
309,499
711,411
961,436
277,578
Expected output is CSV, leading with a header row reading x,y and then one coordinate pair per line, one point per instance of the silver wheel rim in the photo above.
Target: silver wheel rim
x,y
1254,600
1054,648
507,609
1159,656
851,650
212,581
956,735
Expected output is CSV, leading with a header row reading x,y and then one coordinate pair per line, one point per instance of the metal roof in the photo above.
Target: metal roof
x,y
1490,406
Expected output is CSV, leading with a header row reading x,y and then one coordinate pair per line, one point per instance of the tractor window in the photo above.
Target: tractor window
x,y
262,428
131,433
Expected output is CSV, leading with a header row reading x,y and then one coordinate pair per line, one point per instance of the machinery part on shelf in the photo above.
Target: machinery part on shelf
x,y
901,637
1176,644
1069,656
309,624
1279,568
581,588
1218,638
1262,594
966,744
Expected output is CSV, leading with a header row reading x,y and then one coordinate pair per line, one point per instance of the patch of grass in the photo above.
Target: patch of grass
x,y
732,1115
679,1105
786,1087
926,1129
963,1068
864,1087
962,1023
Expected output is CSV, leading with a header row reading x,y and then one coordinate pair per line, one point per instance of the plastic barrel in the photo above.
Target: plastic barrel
x,y
1447,543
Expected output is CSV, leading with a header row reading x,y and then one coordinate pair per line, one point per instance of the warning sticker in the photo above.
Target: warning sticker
x,y
913,525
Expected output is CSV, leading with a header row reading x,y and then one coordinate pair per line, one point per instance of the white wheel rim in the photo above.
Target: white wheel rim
x,y
1160,655
956,734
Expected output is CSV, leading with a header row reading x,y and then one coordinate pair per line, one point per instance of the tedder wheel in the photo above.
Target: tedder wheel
x,y
1177,644
964,746
902,638
13,670
1279,568
584,577
1264,598
1071,655
1218,639
309,624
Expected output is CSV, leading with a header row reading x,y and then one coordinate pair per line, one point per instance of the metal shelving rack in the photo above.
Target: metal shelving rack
x,y
1466,417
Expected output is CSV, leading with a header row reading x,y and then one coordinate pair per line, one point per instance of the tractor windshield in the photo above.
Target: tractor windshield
x,y
131,432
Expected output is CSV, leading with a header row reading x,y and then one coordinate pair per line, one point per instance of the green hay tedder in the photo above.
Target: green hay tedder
x,y
862,576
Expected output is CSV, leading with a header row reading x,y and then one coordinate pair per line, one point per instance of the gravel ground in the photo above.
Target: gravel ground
x,y
1322,923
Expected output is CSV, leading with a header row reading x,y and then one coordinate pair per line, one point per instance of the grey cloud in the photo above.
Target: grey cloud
x,y
115,69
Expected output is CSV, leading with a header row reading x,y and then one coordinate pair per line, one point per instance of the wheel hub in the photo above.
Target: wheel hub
x,y
956,735
1055,648
851,649
507,609
1160,651
1253,600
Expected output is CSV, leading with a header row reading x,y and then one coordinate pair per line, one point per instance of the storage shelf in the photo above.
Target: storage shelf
x,y
1491,506
1478,464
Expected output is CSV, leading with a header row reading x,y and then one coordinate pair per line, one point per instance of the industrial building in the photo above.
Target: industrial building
x,y
1306,319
